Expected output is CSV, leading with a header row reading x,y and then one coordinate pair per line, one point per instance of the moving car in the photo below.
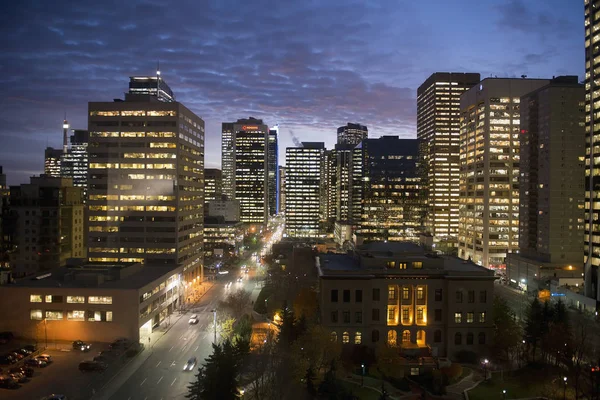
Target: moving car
x,y
85,366
193,320
189,366
240,279
32,362
47,358
82,346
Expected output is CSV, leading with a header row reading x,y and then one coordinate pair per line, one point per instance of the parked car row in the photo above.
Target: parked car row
x,y
13,376
101,361
16,355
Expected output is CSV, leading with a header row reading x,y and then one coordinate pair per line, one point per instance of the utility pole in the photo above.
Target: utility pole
x,y
46,332
215,324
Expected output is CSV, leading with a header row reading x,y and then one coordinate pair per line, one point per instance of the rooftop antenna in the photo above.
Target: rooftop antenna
x,y
65,130
523,76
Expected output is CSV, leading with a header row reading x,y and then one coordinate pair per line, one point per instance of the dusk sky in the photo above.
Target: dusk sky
x,y
309,66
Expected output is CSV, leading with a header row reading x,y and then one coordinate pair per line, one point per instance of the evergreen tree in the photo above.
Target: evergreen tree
x,y
533,325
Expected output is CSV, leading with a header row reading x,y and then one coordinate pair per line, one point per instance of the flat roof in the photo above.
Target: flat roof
x,y
394,247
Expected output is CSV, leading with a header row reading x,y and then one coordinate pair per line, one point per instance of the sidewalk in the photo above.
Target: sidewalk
x,y
457,390
129,368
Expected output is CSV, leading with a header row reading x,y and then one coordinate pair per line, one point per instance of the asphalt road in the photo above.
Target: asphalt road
x,y
161,375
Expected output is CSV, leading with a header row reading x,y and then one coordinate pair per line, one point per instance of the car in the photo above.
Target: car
x,y
23,351
24,370
6,337
102,358
30,347
189,366
193,320
90,365
7,359
44,357
120,343
16,355
240,279
55,397
18,377
8,382
33,362
82,346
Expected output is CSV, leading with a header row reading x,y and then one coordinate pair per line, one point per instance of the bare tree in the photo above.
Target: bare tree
x,y
580,349
236,303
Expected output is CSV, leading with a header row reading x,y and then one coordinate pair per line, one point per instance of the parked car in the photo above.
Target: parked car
x,y
44,357
189,366
25,352
16,355
120,343
30,347
7,360
7,382
34,362
25,370
82,346
6,337
55,397
18,376
85,366
102,358
193,320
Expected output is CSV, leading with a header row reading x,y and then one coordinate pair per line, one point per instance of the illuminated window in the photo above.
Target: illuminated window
x,y
392,313
76,315
36,315
405,315
405,293
391,292
391,264
392,337
35,298
100,299
469,318
75,299
54,315
109,316
482,317
140,113
406,336
420,293
419,315
345,338
333,337
458,317
418,264
357,338
402,265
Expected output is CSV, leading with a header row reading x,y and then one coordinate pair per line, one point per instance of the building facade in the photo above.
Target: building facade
x,y
273,170
304,190
391,207
74,162
213,184
281,191
48,225
592,162
222,238
489,171
228,209
438,132
146,182
397,294
52,159
352,134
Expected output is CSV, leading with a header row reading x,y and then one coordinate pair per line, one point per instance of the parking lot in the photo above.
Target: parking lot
x,y
62,376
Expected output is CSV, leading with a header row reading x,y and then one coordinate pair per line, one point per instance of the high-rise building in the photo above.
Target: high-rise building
x,y
304,190
352,134
49,225
330,171
272,169
74,161
592,161
244,162
392,208
438,132
146,181
213,189
489,170
281,191
52,160
551,189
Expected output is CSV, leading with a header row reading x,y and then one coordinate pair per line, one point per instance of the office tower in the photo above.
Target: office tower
x,y
331,188
244,162
489,173
7,227
74,161
213,189
146,181
2,179
391,209
351,134
228,209
52,160
592,228
303,207
142,86
272,169
438,132
49,226
551,189
281,178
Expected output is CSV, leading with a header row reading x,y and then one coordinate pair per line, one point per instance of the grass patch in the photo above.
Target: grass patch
x,y
362,393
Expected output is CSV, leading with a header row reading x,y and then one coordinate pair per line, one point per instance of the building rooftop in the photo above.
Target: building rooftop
x,y
98,275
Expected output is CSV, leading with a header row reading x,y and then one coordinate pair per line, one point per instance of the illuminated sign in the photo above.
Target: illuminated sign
x,y
249,128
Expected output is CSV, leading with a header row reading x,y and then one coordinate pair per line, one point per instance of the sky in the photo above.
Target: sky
x,y
309,65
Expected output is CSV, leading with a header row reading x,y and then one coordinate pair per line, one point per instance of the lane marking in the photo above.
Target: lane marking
x,y
171,348
173,363
161,378
158,364
196,349
144,381
173,381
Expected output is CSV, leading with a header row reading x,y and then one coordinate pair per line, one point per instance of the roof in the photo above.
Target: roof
x,y
394,247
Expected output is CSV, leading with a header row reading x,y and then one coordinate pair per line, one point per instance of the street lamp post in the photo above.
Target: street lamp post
x,y
565,388
215,324
362,378
485,364
504,393
46,332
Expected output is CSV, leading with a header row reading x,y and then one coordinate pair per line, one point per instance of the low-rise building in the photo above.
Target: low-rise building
x,y
92,302
398,293
221,236
228,209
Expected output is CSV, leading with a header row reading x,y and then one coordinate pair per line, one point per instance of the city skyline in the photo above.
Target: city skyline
x,y
309,81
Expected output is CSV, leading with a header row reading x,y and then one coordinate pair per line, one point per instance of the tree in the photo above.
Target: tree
x,y
315,349
507,333
580,350
534,325
389,362
309,378
306,303
236,303
218,377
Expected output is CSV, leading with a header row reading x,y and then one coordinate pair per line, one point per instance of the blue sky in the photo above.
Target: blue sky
x,y
309,65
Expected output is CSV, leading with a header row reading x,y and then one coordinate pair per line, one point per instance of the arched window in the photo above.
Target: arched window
x,y
358,338
437,336
375,336
345,337
333,337
458,338
406,336
481,338
421,338
392,337
470,338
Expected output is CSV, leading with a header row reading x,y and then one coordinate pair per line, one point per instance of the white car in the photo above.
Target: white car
x,y
189,366
193,320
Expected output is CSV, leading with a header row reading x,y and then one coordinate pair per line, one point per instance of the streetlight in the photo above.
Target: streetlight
x,y
504,393
485,364
362,378
565,388
242,391
46,332
214,311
